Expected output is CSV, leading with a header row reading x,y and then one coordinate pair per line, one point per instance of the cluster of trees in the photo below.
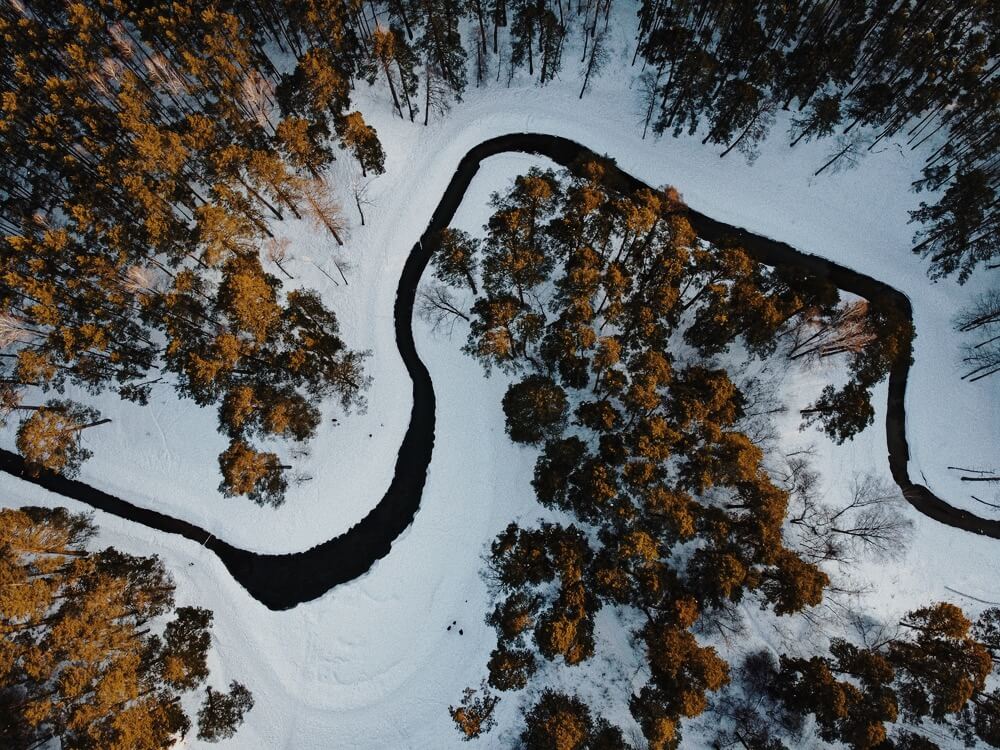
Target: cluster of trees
x,y
930,672
145,148
421,40
584,294
94,653
861,71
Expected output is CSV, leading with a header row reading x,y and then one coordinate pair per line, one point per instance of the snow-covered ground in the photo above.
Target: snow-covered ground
x,y
371,664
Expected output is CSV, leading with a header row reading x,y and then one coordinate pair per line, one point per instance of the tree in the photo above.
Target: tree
x,y
317,88
842,413
940,665
844,711
383,55
474,715
596,61
304,143
963,227
441,45
535,408
982,316
819,119
550,45
510,668
362,140
517,257
559,460
869,524
221,714
501,330
323,209
436,304
119,686
51,438
187,639
259,476
559,721
454,255
935,668
248,297
682,669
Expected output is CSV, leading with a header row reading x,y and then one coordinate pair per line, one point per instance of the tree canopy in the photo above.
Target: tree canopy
x,y
94,652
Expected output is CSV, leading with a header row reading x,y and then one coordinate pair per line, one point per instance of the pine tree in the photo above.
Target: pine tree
x,y
535,408
455,258
122,685
258,475
51,438
363,142
441,45
221,713
963,227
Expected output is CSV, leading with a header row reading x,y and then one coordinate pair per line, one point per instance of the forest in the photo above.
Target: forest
x,y
148,146
88,657
150,149
612,318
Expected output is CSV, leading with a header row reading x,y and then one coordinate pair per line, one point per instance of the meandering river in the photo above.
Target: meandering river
x,y
283,581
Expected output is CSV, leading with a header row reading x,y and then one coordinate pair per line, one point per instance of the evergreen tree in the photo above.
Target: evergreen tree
x,y
221,713
535,407
119,686
363,142
51,438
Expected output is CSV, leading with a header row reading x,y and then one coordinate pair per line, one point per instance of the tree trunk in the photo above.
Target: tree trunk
x,y
92,424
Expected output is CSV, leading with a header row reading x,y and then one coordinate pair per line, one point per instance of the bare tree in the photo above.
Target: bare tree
x,y
322,209
141,280
257,98
160,70
437,94
596,61
436,306
873,519
754,718
277,252
649,94
846,154
815,335
870,524
761,401
473,717
982,319
15,329
319,268
359,189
